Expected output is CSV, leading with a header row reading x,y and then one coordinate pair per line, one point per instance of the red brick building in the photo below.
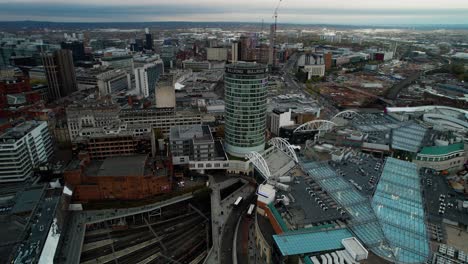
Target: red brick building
x,y
22,98
118,178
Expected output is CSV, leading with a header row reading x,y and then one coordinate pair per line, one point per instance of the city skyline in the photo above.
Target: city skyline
x,y
293,11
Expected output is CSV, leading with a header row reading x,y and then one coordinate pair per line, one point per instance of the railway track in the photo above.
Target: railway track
x,y
169,232
100,235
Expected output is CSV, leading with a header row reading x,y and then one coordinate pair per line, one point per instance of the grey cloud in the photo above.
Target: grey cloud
x,y
152,12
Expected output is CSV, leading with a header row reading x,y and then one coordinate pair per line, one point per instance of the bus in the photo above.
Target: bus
x,y
238,201
250,211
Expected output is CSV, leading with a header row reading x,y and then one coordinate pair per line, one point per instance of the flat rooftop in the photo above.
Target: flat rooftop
x,y
300,242
276,160
27,200
19,131
442,150
193,132
119,166
305,211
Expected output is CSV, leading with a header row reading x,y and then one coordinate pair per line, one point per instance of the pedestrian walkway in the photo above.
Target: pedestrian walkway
x,y
220,210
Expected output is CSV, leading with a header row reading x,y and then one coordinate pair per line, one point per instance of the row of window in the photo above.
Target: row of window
x,y
210,165
422,158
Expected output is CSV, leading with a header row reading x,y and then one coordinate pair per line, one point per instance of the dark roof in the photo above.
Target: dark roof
x,y
119,166
27,200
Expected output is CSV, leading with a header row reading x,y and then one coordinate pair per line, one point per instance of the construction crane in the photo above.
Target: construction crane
x,y
275,16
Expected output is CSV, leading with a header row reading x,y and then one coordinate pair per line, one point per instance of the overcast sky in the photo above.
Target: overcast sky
x,y
291,11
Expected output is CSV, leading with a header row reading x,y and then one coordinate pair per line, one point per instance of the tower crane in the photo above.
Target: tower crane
x,y
275,16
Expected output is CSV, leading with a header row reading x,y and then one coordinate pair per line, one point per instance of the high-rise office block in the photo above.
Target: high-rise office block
x,y
168,56
244,48
60,73
77,49
138,45
149,40
245,96
22,149
147,76
235,52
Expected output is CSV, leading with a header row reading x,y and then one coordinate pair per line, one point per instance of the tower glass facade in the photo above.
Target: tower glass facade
x,y
245,97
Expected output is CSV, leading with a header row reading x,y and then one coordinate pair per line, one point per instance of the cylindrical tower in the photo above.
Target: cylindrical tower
x,y
246,97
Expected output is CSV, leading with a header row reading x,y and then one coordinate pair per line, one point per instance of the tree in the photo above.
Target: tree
x,y
220,131
158,134
458,69
301,76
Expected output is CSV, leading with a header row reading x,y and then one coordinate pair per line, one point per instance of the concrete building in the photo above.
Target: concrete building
x,y
22,149
139,60
60,73
147,76
124,62
113,81
450,157
124,143
191,143
279,118
13,46
196,65
314,64
168,56
314,71
217,54
162,119
87,119
331,37
103,118
105,79
165,91
245,96
235,52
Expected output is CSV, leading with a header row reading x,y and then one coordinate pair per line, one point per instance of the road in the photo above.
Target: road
x,y
328,108
393,92
229,230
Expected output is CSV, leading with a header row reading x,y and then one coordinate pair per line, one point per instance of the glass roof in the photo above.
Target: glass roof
x,y
363,223
408,138
392,225
398,205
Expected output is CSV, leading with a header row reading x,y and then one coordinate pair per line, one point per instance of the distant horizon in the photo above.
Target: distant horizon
x,y
397,26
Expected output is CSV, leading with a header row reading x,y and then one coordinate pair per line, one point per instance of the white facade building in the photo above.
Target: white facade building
x,y
23,148
147,76
313,64
314,71
113,81
278,119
